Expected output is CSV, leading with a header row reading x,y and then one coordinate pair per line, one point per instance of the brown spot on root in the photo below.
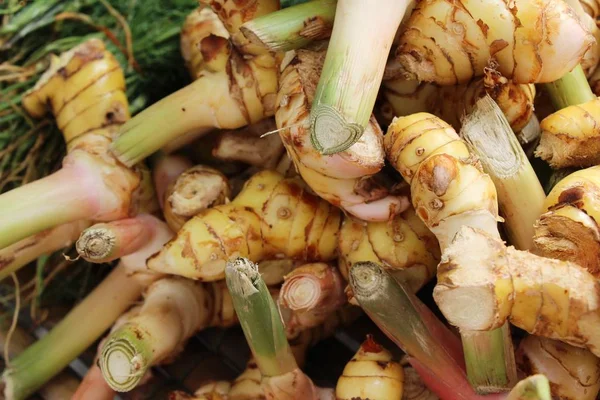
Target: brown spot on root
x,y
571,196
371,346
483,26
497,45
212,46
138,334
438,173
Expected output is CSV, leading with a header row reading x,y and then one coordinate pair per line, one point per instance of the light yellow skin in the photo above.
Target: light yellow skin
x,y
84,89
404,246
582,9
371,374
402,97
571,136
195,190
448,186
173,310
344,179
271,217
568,229
232,89
574,373
482,284
532,41
199,24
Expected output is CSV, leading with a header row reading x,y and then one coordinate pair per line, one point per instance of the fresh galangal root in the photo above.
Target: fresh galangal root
x,y
571,136
400,97
85,90
573,372
195,190
482,284
568,229
272,217
371,374
532,40
345,179
403,246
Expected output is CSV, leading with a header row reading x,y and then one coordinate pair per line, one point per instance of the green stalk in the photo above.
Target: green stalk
x,y
125,358
408,322
172,117
292,28
353,71
73,335
520,194
570,90
488,356
57,199
259,318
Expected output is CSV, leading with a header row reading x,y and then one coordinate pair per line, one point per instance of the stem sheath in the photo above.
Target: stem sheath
x,y
520,194
572,89
293,27
75,333
259,318
57,199
109,241
353,71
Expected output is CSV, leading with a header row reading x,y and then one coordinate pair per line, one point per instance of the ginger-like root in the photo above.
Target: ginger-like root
x,y
482,284
574,373
199,24
165,172
85,90
271,217
448,186
403,246
195,190
571,136
533,41
174,309
568,230
402,97
345,179
233,89
371,374
309,294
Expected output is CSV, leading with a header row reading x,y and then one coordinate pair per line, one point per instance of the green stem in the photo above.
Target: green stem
x,y
488,356
408,322
259,318
73,335
194,108
570,90
292,28
125,358
353,71
57,199
21,253
520,194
